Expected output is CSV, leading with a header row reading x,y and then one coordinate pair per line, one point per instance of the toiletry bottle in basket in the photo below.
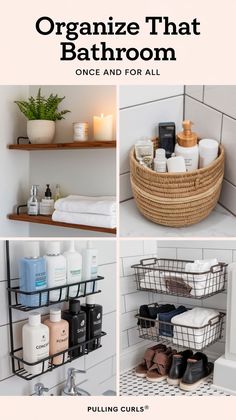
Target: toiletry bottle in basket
x,y
187,146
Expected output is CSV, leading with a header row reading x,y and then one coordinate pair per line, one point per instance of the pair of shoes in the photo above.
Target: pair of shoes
x,y
189,370
156,363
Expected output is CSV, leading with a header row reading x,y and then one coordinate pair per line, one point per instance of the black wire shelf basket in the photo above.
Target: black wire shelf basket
x,y
42,298
172,277
29,371
183,336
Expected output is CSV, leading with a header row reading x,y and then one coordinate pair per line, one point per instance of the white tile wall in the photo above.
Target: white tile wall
x,y
214,116
142,108
136,95
132,348
99,364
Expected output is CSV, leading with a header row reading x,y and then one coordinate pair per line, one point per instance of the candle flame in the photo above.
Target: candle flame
x,y
102,115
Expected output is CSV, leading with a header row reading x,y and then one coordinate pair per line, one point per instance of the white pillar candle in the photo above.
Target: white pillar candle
x,y
102,127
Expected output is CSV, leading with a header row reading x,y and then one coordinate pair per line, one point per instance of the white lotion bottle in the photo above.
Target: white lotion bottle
x,y
90,266
35,343
56,271
73,270
187,146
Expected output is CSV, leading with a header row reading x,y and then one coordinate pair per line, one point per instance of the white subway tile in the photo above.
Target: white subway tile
x,y
106,251
134,300
131,248
228,141
189,254
124,340
125,187
222,255
122,304
221,98
143,121
128,320
134,337
228,198
134,95
207,121
166,252
127,285
196,91
150,246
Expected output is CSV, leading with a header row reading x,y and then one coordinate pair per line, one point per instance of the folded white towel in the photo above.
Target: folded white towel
x,y
154,280
83,204
206,283
192,329
97,220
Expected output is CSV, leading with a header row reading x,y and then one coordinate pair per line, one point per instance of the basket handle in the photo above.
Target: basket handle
x,y
214,320
144,261
217,267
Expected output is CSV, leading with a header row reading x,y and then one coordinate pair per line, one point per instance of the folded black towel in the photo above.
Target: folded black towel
x,y
151,312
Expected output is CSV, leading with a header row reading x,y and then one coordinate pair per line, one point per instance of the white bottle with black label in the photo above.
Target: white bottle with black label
x,y
73,270
35,342
56,271
90,266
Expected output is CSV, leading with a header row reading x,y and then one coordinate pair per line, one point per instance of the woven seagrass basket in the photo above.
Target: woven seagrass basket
x,y
177,199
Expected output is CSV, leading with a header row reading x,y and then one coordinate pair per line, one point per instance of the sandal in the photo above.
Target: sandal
x,y
142,369
161,365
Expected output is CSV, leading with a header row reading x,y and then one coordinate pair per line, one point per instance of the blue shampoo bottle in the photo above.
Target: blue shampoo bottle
x,y
33,275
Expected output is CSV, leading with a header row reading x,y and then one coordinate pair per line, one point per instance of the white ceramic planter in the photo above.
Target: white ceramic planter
x,y
40,131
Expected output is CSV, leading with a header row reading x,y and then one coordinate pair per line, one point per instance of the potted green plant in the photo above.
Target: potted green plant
x,y
42,113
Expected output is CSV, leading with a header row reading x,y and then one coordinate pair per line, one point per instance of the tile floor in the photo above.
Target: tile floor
x,y
131,385
220,223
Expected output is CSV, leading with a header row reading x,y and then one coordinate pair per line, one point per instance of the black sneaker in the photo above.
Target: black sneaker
x,y
197,371
178,367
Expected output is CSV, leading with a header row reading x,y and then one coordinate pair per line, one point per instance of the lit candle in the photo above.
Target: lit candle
x,y
102,127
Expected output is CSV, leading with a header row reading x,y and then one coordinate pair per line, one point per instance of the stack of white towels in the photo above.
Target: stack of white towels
x,y
84,210
206,282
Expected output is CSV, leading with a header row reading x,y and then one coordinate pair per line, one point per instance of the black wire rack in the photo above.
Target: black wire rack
x,y
172,277
27,370
196,338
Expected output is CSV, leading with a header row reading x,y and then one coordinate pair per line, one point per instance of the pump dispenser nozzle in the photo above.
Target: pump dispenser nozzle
x,y
187,138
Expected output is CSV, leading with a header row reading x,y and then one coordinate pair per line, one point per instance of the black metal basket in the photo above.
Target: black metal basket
x,y
42,297
30,371
170,277
196,338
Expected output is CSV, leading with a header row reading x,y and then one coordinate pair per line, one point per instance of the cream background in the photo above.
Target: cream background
x,y
28,57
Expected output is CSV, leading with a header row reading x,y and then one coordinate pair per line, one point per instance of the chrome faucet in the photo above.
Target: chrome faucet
x,y
39,389
71,389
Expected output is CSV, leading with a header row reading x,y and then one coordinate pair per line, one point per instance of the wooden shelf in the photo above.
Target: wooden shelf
x,y
65,146
47,220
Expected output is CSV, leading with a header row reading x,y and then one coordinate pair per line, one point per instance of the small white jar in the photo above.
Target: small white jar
x,y
176,164
160,161
208,152
80,131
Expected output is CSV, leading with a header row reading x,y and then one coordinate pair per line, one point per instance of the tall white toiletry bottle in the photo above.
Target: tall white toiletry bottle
x,y
73,269
90,266
187,146
35,342
56,270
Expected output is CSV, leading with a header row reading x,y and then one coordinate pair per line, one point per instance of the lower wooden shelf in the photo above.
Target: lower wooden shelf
x,y
47,220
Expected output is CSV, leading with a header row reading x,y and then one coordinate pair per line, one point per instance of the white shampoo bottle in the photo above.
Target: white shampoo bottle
x,y
35,342
56,271
90,266
73,270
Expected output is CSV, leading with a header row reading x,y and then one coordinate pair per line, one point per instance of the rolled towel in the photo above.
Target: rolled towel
x,y
192,329
105,205
96,220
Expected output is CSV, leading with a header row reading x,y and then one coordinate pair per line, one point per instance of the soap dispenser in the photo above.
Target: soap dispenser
x,y
46,207
187,146
33,203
